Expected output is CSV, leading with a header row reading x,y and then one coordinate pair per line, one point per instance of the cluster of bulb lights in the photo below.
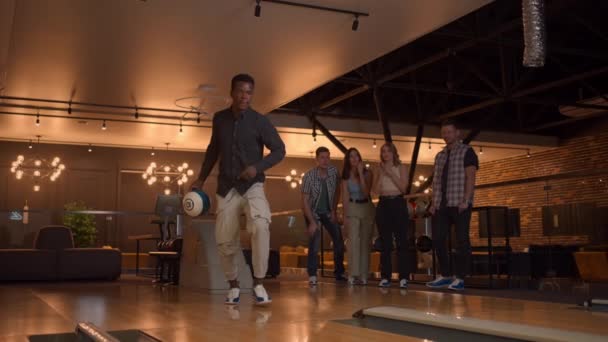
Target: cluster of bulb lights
x,y
39,170
167,174
418,183
293,179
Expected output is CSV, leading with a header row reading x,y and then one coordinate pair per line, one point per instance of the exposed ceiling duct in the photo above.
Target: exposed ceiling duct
x,y
535,37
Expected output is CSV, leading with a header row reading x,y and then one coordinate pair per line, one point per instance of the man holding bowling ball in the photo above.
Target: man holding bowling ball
x,y
238,137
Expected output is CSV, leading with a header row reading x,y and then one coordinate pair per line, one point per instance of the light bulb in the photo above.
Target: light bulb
x,y
184,179
56,160
180,169
52,178
302,175
153,179
374,144
61,167
288,178
426,191
167,168
13,169
37,162
367,166
37,173
167,192
417,183
300,182
36,187
150,182
179,182
167,179
18,175
185,165
190,173
293,172
294,185
144,176
14,164
153,165
421,177
20,158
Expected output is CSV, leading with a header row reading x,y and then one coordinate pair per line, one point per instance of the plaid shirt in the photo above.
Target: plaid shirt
x,y
311,185
456,176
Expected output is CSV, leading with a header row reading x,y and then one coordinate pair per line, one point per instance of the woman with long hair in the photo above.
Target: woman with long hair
x,y
358,215
392,217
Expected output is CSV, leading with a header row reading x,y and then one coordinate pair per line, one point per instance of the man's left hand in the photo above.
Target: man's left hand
x,y
249,173
463,206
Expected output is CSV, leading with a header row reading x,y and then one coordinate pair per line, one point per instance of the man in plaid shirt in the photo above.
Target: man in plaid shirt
x,y
453,186
320,195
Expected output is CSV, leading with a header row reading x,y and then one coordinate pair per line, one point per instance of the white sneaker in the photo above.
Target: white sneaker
x,y
312,281
352,281
384,283
260,295
363,282
233,297
403,283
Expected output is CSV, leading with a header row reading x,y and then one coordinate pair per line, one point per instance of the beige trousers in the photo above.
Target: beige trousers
x,y
361,223
227,229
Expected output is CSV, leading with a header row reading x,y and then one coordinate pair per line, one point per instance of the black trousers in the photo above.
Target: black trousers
x,y
442,222
392,220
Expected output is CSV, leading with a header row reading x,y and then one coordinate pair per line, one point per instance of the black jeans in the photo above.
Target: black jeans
x,y
442,222
314,242
392,220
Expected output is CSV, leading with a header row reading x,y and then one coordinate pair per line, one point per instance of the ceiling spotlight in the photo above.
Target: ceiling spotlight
x,y
136,113
430,146
480,149
103,125
356,23
374,145
528,154
90,148
152,153
30,146
38,119
70,108
198,118
258,8
181,129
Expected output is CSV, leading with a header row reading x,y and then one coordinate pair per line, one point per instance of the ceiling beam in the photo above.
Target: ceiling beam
x,y
422,63
414,162
419,87
523,93
316,123
382,117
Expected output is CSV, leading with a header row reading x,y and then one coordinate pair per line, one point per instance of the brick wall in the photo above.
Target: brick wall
x,y
579,173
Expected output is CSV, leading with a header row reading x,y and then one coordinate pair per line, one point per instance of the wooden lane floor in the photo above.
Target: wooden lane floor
x,y
297,313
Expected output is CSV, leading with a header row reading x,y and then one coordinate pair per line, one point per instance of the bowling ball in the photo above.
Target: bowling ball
x,y
196,203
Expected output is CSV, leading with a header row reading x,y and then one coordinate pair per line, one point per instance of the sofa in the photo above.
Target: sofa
x,y
54,257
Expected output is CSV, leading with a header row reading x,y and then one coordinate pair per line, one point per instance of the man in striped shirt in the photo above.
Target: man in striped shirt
x,y
320,195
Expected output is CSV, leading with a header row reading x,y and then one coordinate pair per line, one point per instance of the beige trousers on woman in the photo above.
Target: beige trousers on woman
x,y
361,223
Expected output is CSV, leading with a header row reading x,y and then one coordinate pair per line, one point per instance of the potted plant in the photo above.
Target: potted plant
x,y
82,225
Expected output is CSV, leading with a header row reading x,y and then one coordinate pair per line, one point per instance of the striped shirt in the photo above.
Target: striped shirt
x,y
312,185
